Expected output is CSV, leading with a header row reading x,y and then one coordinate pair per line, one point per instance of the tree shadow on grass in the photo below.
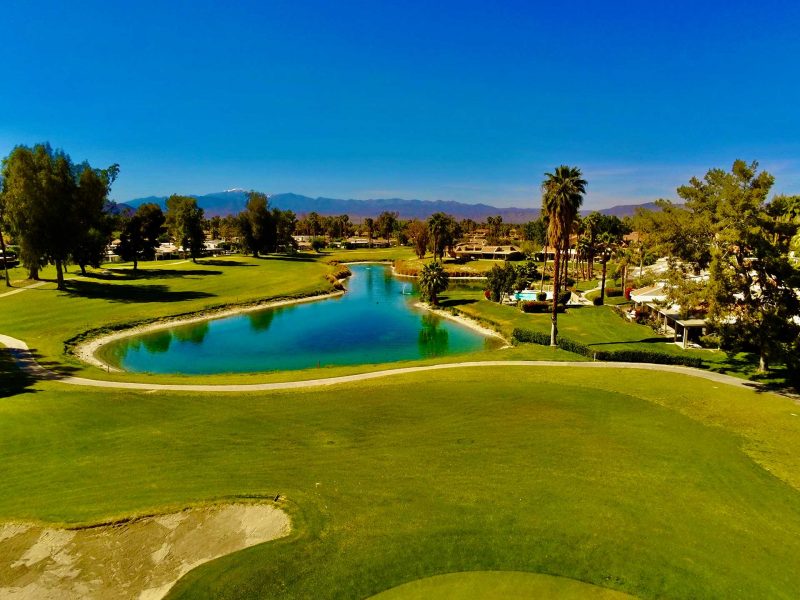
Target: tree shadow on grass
x,y
289,257
13,380
131,275
131,293
445,302
217,262
651,340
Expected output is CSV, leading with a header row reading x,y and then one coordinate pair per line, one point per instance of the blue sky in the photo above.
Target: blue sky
x,y
467,101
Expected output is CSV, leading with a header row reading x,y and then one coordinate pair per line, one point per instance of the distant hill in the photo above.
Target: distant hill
x,y
627,210
233,201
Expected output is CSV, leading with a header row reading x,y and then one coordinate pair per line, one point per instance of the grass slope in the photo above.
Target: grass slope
x,y
45,318
653,484
497,585
601,327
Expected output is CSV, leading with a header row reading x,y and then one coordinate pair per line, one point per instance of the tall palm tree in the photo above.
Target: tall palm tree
x,y
433,280
562,197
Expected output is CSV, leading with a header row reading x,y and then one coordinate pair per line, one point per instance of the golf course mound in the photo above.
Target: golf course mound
x,y
141,558
508,585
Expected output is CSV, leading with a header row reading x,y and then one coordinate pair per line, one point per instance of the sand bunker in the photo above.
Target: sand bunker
x,y
139,559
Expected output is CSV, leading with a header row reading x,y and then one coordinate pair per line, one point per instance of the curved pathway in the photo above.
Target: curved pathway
x,y
19,350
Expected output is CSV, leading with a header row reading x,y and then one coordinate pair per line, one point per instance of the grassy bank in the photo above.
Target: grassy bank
x,y
653,484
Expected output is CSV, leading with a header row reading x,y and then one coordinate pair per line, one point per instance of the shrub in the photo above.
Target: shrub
x,y
572,346
564,297
537,306
318,244
635,356
597,301
613,292
712,340
541,296
529,336
648,356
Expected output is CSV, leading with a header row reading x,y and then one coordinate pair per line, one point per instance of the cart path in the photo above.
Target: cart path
x,y
22,289
22,355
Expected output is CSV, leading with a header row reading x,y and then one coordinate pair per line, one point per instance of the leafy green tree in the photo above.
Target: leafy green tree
x,y
93,232
419,234
494,224
185,223
51,206
433,280
387,224
255,224
2,239
139,237
500,281
285,224
444,231
562,197
369,223
750,292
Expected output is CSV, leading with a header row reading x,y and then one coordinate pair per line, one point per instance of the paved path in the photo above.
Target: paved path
x,y
19,350
22,289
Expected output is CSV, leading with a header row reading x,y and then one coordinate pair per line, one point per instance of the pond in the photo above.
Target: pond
x,y
375,321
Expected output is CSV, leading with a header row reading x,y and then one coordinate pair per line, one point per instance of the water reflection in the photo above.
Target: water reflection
x,y
157,342
261,320
376,321
193,335
433,340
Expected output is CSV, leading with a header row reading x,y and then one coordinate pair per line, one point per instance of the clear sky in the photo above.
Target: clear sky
x,y
467,101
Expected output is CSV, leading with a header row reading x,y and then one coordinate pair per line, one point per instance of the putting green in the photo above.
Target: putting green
x,y
489,585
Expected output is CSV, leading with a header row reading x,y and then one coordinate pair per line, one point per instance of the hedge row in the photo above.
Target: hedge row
x,y
539,306
637,356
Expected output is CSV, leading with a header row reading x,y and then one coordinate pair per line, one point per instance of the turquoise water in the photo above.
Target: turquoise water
x,y
374,322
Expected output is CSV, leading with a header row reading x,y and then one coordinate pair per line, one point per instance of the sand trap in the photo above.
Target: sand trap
x,y
140,559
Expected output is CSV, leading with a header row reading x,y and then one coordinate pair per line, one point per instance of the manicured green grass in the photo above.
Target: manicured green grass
x,y
602,328
653,484
46,318
497,585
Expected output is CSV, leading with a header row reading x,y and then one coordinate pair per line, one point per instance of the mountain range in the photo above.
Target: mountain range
x,y
233,201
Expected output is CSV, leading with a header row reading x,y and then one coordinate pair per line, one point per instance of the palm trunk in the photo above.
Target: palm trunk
x,y
5,258
59,274
603,284
544,268
554,317
624,279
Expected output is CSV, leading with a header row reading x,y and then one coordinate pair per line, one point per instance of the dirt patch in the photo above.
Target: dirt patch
x,y
139,559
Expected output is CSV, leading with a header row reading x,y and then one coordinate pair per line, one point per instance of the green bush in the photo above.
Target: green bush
x,y
538,306
528,336
597,301
541,296
564,297
575,347
614,292
635,356
648,356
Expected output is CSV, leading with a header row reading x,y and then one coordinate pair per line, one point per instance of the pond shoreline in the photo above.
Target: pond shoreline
x,y
87,351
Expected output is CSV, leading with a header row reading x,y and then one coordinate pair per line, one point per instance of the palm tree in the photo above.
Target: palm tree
x,y
433,280
562,196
